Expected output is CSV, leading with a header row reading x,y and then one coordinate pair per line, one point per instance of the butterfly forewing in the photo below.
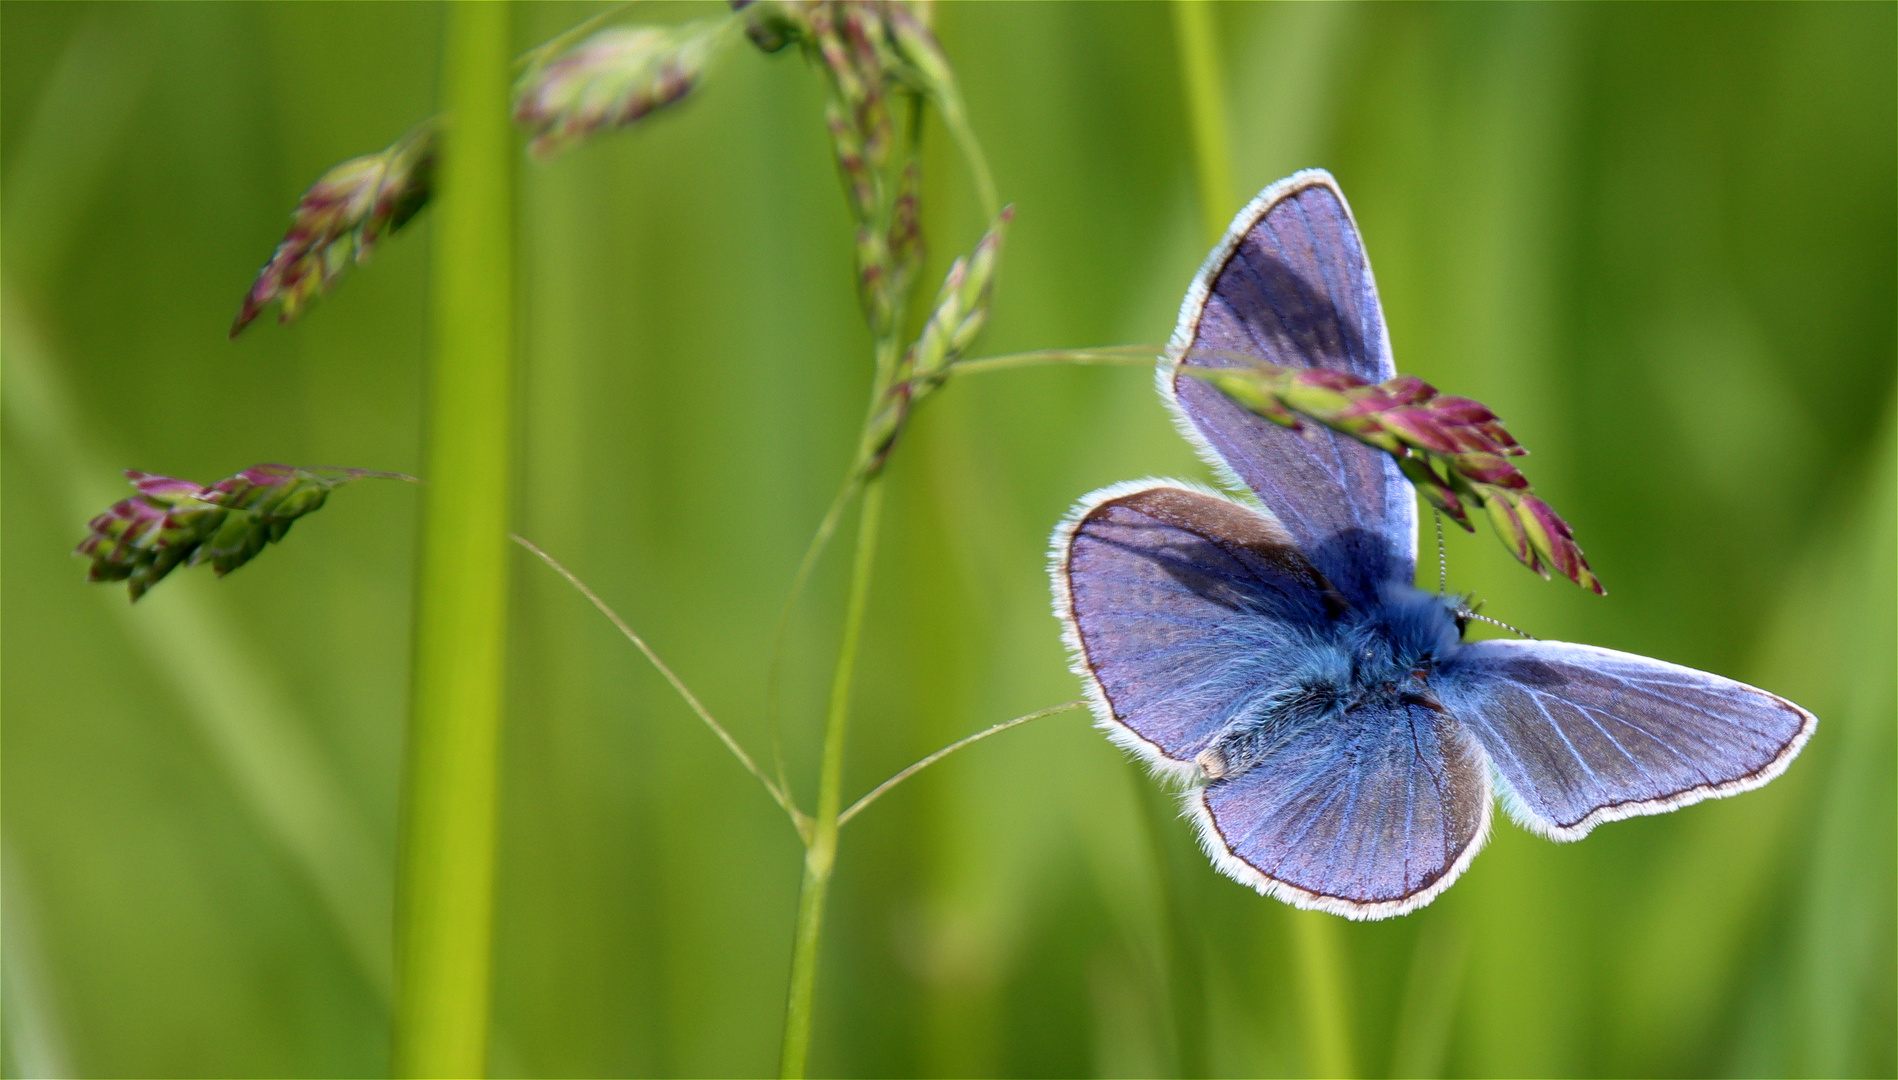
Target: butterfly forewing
x,y
1584,735
1290,286
1367,815
1180,607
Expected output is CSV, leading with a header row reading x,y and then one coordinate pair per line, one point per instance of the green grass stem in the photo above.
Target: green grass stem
x,y
774,671
445,877
1202,79
1107,355
1321,994
957,121
820,856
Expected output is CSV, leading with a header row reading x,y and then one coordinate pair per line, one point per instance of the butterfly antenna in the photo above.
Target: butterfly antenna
x,y
1443,567
1497,622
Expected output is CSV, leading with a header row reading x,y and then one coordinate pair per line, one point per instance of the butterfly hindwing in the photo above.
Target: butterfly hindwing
x,y
1584,735
1368,814
1179,606
1290,285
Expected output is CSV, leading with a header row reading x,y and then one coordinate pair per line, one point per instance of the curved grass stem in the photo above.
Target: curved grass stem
x,y
539,54
958,124
880,790
820,855
798,819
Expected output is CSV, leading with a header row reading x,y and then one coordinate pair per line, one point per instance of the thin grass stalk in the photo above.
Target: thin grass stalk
x,y
444,899
672,678
774,672
1315,936
1107,355
820,848
880,790
820,856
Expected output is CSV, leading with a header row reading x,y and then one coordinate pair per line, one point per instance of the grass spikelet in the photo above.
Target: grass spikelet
x,y
339,221
172,522
1452,448
614,78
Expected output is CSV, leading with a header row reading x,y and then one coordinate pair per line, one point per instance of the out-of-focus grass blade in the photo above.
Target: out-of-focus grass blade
x,y
1846,938
245,718
35,1045
1723,868
1830,648
1318,939
64,152
1421,1041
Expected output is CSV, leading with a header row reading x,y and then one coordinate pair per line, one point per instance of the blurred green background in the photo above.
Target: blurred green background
x,y
1658,239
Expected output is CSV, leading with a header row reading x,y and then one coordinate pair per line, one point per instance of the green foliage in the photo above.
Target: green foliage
x,y
1564,207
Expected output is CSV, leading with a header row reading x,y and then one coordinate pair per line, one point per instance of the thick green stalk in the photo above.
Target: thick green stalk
x,y
444,898
820,856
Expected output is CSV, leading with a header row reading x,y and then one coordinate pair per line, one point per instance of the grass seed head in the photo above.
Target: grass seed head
x,y
339,220
1453,449
616,77
171,522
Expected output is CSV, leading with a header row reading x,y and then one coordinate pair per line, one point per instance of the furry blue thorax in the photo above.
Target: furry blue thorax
x,y
1383,653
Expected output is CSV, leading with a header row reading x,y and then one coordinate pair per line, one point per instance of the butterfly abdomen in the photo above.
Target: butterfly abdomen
x,y
1383,654
1315,686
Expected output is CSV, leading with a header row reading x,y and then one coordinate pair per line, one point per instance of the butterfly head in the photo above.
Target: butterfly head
x,y
1404,636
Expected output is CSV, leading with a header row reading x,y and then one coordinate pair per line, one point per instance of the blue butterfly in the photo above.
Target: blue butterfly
x,y
1339,741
